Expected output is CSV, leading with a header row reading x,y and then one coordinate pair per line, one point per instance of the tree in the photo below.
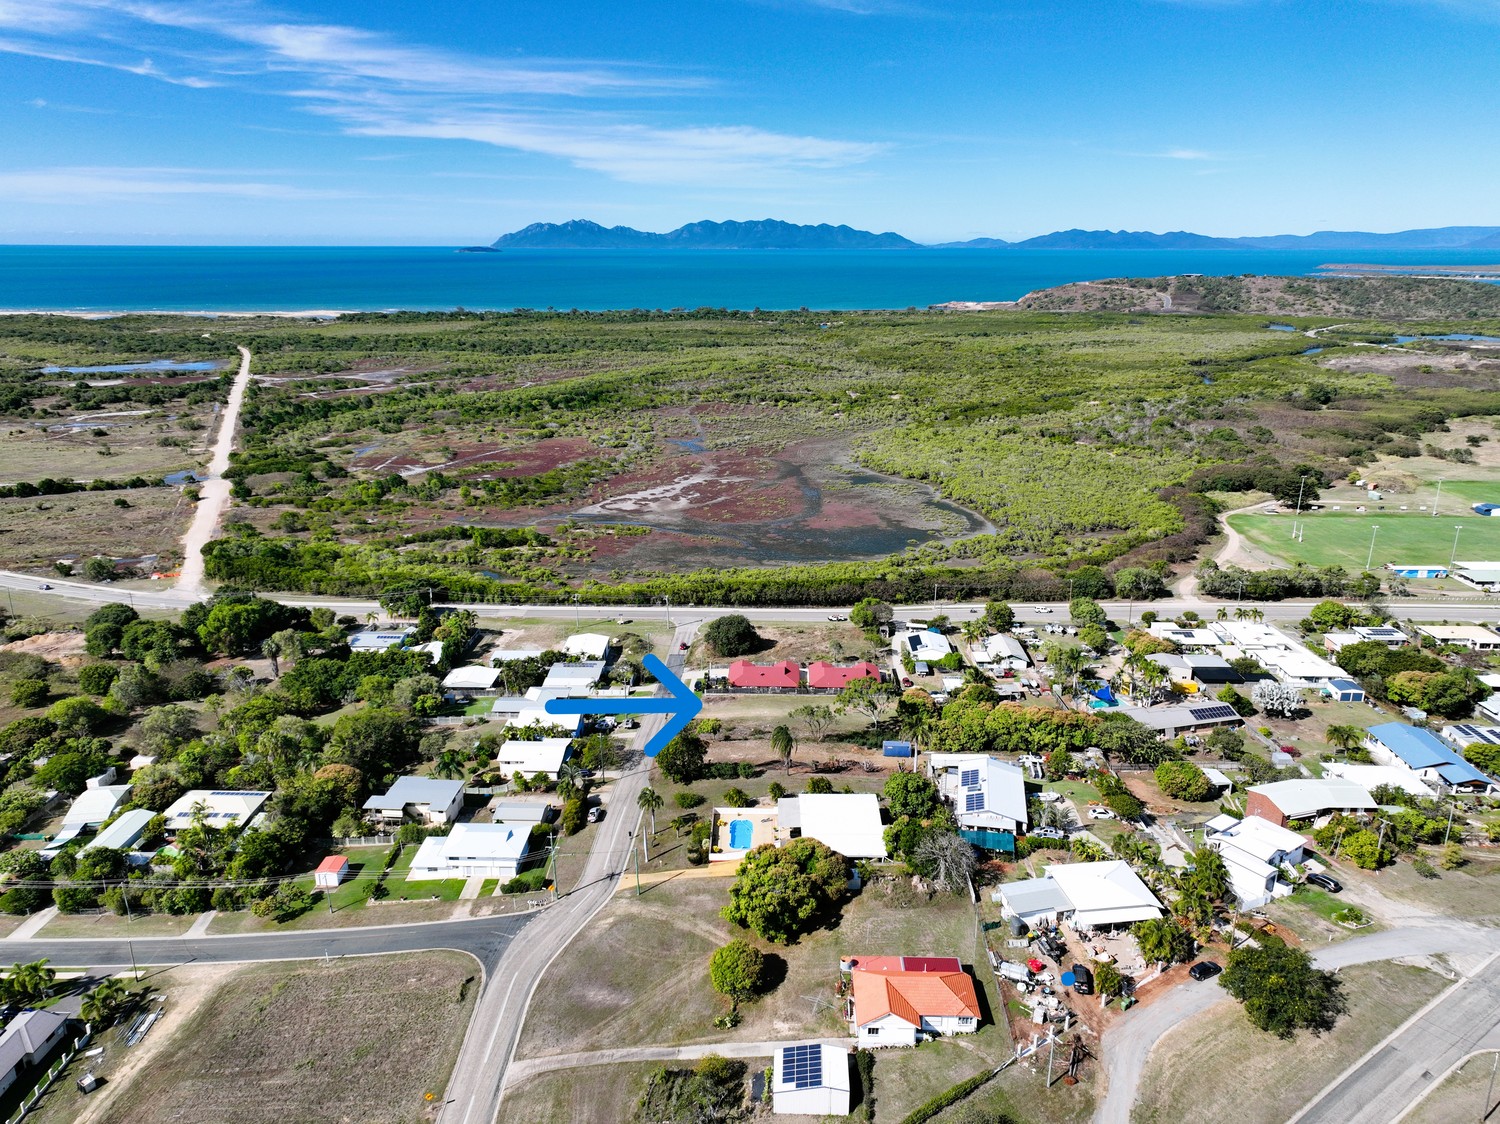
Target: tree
x,y
1059,763
1276,699
867,697
1364,850
101,1005
1107,979
449,765
783,744
948,859
650,801
731,635
682,759
77,716
871,614
95,678
1282,991
1344,737
1137,583
911,794
1210,874
166,728
419,694
1330,616
1085,611
780,893
574,816
375,741
1182,780
31,981
999,616
737,970
105,627
1162,940
818,786
813,720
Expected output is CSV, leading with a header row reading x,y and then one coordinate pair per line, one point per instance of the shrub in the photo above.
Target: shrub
x,y
1182,780
737,971
574,816
780,893
96,678
687,799
28,693
731,635
738,798
528,881
819,785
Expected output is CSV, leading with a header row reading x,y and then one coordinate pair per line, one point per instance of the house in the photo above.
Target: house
x,y
1170,721
587,645
1254,850
331,872
1480,575
472,850
1200,669
220,808
93,806
543,755
428,800
379,640
465,680
922,645
1184,637
896,1000
526,812
1464,734
846,822
783,676
27,1040
577,679
985,792
125,832
1344,690
1005,652
530,709
810,1079
1389,635
1306,799
1371,777
1470,636
1407,571
1282,656
433,649
825,676
1091,895
1425,754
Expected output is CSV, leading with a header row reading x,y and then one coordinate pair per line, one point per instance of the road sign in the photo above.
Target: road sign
x,y
681,706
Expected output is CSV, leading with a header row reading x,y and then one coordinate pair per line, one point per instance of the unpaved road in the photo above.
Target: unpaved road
x,y
213,497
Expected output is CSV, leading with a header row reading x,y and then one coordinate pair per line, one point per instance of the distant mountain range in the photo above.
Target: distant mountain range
x,y
772,234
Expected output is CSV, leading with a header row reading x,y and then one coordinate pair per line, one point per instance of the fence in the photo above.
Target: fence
x,y
30,1101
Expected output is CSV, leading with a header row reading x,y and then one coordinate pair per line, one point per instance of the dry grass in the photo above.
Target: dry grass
x,y
362,1040
1461,1096
106,926
1471,892
602,1092
1190,1074
30,453
42,529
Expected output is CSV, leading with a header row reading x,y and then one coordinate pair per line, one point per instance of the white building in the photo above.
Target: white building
x,y
472,850
1373,776
545,755
848,823
1185,637
471,678
1470,636
899,1000
1090,895
574,678
378,639
530,709
222,808
1480,575
1282,656
125,832
93,806
506,655
428,800
810,1079
1005,652
587,645
986,793
923,645
1254,850
27,1039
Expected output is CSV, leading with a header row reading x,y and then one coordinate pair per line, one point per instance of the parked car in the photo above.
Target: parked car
x,y
1204,970
838,618
682,647
1083,979
44,585
1048,833
905,681
1101,814
1325,882
622,620
596,813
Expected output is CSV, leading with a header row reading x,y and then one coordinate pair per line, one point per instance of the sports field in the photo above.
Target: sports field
x,y
1343,538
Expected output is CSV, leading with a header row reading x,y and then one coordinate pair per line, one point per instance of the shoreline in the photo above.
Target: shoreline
x,y
205,314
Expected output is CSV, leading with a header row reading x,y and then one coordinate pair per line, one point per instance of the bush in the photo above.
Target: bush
x,y
96,678
780,893
688,799
737,971
28,693
1182,780
731,635
819,786
574,816
738,798
936,1105
527,882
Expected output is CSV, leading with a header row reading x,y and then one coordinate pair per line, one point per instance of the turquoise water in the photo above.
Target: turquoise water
x,y
135,368
244,279
1456,336
740,833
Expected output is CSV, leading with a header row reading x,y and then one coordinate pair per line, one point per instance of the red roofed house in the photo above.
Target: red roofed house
x,y
825,676
330,872
897,999
786,675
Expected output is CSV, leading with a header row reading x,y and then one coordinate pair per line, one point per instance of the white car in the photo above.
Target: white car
x,y
1040,609
1101,814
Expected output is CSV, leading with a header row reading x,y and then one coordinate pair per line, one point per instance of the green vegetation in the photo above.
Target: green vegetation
x,y
1343,538
1282,991
781,892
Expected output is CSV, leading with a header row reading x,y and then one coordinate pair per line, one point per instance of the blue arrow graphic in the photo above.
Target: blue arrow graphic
x,y
681,707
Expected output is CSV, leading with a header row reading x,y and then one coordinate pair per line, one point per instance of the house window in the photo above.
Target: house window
x,y
965,1020
872,1032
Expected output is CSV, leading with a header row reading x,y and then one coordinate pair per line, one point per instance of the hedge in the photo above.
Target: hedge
x,y
951,1097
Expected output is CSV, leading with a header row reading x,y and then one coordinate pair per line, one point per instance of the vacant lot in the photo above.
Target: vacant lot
x,y
355,1040
108,444
1462,1095
1187,1077
1471,892
39,530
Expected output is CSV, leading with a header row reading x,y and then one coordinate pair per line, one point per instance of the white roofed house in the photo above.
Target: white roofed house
x,y
542,755
470,680
848,823
1470,636
985,792
428,800
530,709
220,808
472,850
1003,651
1184,637
577,679
923,645
1254,851
1091,895
588,645
93,806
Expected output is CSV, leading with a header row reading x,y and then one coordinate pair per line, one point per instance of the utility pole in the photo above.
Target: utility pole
x,y
1454,556
1370,558
1438,500
1301,483
1484,1109
1450,824
135,971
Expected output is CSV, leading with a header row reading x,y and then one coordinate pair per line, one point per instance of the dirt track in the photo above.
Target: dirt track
x,y
213,498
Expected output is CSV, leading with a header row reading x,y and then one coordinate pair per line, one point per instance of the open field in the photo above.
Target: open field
x,y
1461,1096
1342,538
1472,892
127,444
280,1042
37,531
1188,1075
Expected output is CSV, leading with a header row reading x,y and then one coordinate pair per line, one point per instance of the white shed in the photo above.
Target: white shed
x,y
810,1079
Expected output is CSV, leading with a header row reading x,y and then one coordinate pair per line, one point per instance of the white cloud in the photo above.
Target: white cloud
x,y
98,184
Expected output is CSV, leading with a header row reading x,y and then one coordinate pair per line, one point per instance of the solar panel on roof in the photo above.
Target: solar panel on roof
x,y
973,802
1209,713
969,778
802,1066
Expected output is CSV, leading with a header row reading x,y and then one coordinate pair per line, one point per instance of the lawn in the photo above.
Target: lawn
x,y
108,926
1187,1078
1309,914
280,1042
1471,892
600,1092
1461,1096
1342,538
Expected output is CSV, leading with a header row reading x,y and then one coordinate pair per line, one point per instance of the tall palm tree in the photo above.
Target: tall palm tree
x,y
1222,614
974,630
571,781
784,744
1154,676
33,980
1344,737
649,801
272,650
1240,613
102,1004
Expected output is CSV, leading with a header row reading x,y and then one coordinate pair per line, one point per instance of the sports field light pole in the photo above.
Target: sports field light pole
x,y
1453,557
1370,558
1438,500
1301,483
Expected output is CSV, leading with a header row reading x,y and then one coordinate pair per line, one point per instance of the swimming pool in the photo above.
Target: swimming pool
x,y
740,832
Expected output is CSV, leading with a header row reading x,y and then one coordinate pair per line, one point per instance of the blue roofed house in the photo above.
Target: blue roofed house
x,y
1424,753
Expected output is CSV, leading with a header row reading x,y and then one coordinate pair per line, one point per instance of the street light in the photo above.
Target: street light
x,y
1452,557
1371,557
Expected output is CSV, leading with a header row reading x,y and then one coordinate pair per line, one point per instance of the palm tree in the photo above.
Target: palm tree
x,y
1154,676
1241,613
271,650
450,764
784,744
571,781
102,1004
649,801
1344,737
33,980
974,630
1222,614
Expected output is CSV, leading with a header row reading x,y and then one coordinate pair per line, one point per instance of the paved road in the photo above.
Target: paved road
x,y
1380,1086
213,498
477,1086
1127,1045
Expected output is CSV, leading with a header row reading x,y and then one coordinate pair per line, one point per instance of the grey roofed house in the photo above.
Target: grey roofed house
x,y
125,832
1034,899
985,792
521,811
1211,669
1173,720
429,798
27,1038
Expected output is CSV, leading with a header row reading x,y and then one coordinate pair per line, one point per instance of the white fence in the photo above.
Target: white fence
x,y
31,1099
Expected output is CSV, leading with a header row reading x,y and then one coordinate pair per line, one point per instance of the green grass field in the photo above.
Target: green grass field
x,y
1343,538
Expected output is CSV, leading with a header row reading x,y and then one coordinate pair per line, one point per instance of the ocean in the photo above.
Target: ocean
x,y
332,279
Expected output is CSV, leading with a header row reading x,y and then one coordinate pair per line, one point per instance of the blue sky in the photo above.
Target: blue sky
x,y
157,121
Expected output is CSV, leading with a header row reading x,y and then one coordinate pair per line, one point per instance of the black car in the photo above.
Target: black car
x,y
1083,980
1325,882
1204,970
1053,948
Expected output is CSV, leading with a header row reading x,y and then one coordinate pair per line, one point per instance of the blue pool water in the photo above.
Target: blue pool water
x,y
740,832
130,368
